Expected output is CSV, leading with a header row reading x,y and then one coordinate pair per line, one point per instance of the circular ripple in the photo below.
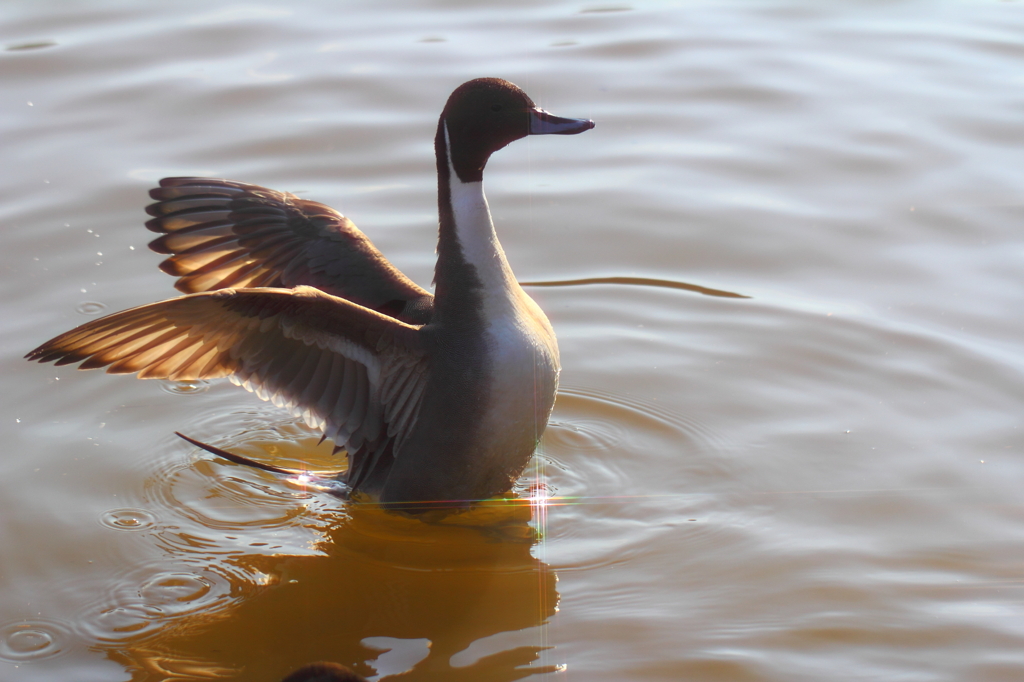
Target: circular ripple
x,y
608,461
174,592
213,494
90,308
120,621
585,434
227,497
32,640
603,412
613,429
185,387
128,519
143,600
207,507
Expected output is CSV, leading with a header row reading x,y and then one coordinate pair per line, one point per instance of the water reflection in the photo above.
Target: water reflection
x,y
257,574
448,582
34,45
855,166
637,281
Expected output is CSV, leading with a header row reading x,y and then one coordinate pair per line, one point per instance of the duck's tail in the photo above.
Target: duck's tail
x,y
304,478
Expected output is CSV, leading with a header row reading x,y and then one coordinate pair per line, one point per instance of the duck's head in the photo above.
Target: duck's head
x,y
324,672
485,114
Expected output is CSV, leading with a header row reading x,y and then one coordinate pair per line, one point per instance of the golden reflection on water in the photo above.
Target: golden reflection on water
x,y
452,581
235,592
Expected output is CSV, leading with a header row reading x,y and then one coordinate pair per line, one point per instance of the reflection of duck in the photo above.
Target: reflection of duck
x,y
376,581
324,672
438,397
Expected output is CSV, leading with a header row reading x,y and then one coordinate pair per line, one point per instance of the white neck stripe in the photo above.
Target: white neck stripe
x,y
475,234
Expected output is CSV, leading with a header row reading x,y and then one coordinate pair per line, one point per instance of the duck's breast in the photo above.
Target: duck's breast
x,y
523,367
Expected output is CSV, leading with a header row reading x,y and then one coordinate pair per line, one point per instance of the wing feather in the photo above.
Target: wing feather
x,y
352,372
220,234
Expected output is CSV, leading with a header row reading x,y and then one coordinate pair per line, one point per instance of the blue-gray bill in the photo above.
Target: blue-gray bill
x,y
543,123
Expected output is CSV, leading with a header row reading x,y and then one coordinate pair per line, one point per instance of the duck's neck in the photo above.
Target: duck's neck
x,y
471,266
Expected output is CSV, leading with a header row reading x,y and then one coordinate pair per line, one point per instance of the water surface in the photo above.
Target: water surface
x,y
818,481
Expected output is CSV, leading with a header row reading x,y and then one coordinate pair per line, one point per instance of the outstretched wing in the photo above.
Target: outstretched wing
x,y
356,374
223,234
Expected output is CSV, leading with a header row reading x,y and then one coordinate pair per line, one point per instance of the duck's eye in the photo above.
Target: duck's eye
x,y
495,107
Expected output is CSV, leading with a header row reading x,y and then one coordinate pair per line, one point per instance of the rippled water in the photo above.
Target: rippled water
x,y
818,481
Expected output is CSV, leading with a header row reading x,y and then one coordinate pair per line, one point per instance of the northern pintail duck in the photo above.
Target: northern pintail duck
x,y
434,397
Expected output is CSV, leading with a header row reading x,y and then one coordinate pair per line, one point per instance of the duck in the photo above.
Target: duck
x,y
435,398
324,672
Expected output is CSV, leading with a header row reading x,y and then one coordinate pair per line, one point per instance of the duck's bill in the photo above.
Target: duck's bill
x,y
543,123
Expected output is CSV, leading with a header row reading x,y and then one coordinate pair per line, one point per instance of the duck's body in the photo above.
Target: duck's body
x,y
439,397
495,359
